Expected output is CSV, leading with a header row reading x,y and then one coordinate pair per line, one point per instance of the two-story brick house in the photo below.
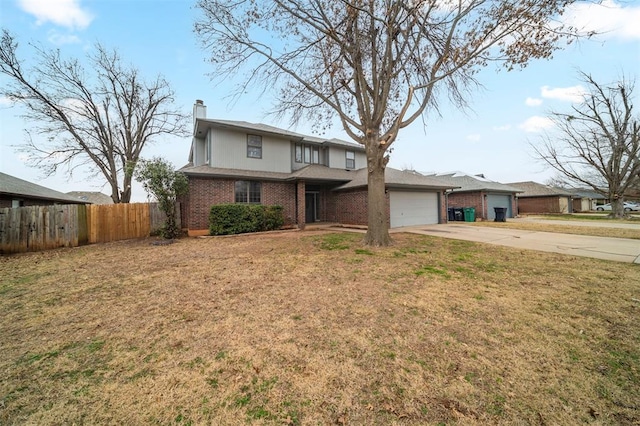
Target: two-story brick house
x,y
314,179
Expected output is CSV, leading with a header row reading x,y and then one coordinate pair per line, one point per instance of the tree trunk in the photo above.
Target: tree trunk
x,y
125,194
115,193
377,212
170,229
617,208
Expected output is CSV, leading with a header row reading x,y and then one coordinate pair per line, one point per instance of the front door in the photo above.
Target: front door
x,y
311,207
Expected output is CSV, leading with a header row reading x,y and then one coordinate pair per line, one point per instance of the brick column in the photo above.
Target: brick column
x,y
301,189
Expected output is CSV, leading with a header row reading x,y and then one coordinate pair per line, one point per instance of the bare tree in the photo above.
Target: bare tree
x,y
597,143
102,117
376,65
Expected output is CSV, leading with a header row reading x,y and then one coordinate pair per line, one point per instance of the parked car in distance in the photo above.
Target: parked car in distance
x,y
628,207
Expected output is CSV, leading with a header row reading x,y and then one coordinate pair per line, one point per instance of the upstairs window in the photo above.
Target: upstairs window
x,y
248,191
207,150
298,153
308,154
351,160
254,146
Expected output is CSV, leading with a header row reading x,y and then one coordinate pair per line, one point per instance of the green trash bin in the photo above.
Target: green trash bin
x,y
469,214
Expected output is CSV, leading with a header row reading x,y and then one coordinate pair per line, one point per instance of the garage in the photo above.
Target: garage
x,y
409,208
498,200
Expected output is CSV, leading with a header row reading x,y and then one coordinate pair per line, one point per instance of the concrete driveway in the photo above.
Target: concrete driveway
x,y
617,249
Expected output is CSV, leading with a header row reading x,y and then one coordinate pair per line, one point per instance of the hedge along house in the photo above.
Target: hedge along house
x,y
313,179
480,193
539,198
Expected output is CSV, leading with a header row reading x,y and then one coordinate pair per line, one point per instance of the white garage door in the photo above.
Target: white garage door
x,y
498,200
413,208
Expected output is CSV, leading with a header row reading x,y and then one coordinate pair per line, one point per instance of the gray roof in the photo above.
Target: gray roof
x,y
587,193
395,178
323,173
534,189
204,170
469,183
351,178
202,123
245,125
311,172
91,197
14,186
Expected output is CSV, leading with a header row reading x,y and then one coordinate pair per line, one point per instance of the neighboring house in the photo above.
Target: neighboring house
x,y
91,197
16,192
539,198
480,193
312,178
585,200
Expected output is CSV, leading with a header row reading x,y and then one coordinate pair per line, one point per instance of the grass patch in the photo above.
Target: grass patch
x,y
337,241
432,270
364,251
285,329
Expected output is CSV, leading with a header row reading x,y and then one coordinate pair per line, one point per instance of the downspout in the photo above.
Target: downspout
x,y
485,213
296,201
446,204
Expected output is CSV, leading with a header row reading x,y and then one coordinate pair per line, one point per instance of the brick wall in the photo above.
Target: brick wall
x,y
539,205
467,199
350,207
206,192
474,199
281,194
301,219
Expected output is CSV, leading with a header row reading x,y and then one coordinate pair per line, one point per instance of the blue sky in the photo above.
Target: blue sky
x,y
156,36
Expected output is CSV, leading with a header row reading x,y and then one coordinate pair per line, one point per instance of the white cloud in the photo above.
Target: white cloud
x,y
60,39
502,128
23,158
66,13
536,124
474,137
570,94
533,102
4,101
610,18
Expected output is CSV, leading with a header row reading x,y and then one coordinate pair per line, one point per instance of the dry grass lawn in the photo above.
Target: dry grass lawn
x,y
312,328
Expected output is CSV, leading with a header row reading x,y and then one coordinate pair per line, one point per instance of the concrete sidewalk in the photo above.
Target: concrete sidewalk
x,y
617,249
587,223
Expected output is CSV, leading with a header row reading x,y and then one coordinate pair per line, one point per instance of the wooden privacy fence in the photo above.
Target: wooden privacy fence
x,y
42,227
113,222
38,228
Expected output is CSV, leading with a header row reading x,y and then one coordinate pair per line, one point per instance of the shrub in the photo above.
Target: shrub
x,y
273,217
227,219
159,179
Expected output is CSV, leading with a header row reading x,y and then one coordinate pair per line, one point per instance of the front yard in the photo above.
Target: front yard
x,y
300,328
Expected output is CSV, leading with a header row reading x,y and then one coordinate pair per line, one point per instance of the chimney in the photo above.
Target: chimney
x,y
199,110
